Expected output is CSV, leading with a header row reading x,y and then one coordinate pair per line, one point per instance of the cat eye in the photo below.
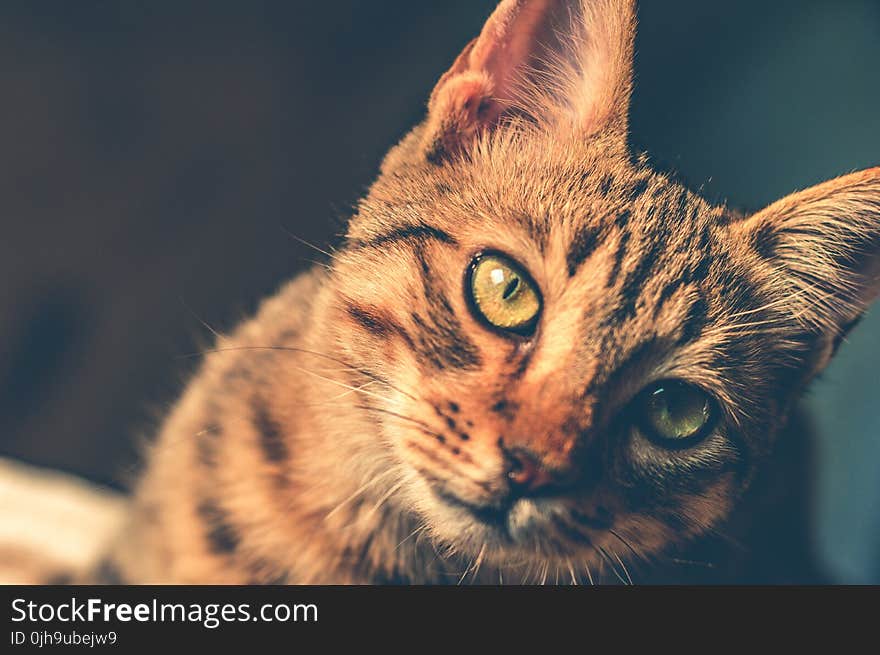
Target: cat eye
x,y
675,414
502,294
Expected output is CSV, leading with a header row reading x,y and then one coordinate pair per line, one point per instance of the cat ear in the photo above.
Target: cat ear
x,y
560,63
822,246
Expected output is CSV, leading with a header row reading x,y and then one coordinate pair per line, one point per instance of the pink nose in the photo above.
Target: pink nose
x,y
525,473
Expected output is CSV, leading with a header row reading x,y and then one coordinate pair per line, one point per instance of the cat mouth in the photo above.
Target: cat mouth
x,y
521,521
494,517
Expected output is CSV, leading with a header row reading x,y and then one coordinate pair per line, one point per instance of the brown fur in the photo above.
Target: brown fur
x,y
356,430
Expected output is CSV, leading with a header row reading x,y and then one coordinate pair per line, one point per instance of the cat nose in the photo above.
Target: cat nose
x,y
525,473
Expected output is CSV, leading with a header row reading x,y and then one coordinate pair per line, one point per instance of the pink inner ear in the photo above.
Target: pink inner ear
x,y
563,62
479,86
508,39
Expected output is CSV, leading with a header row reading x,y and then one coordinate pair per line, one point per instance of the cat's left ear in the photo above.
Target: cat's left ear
x,y
821,247
561,63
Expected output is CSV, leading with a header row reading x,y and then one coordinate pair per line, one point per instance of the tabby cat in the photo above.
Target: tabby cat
x,y
534,358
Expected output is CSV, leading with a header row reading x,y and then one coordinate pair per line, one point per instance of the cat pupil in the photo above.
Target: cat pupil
x,y
510,289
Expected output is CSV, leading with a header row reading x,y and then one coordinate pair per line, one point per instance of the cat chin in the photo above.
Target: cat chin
x,y
527,531
524,530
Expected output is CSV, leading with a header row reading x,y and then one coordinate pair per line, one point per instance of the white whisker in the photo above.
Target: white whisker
x,y
372,482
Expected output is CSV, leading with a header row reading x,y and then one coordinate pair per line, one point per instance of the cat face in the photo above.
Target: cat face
x,y
568,354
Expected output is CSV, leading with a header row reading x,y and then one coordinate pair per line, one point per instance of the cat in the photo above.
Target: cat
x,y
534,358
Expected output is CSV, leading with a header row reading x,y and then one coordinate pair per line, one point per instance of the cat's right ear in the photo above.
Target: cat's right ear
x,y
820,248
565,64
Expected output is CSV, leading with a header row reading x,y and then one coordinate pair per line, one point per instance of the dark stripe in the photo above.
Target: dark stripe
x,y
701,270
623,219
634,281
369,321
418,233
665,294
206,445
223,539
524,360
568,531
694,275
270,432
606,183
582,246
106,572
638,189
736,289
694,322
263,572
440,338
440,465
698,271
363,560
442,344
380,326
269,579
619,256
705,244
538,230
381,577
683,211
765,241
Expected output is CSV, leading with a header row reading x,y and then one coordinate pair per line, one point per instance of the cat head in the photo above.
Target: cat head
x,y
564,348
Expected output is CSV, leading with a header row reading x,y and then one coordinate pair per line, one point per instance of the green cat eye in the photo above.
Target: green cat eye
x,y
502,294
674,412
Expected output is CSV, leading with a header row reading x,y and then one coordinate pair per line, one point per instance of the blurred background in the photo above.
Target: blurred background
x,y
154,157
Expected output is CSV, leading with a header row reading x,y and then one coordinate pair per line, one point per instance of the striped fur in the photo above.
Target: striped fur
x,y
357,429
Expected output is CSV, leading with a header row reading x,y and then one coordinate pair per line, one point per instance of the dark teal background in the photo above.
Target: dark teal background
x,y
151,153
